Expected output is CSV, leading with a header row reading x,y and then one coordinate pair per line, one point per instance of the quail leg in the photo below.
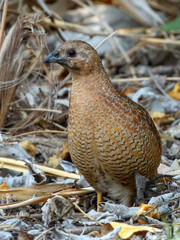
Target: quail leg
x,y
140,187
99,199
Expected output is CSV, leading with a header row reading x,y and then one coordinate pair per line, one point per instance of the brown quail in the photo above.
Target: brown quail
x,y
111,138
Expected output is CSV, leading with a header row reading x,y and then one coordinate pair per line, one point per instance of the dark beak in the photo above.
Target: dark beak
x,y
53,58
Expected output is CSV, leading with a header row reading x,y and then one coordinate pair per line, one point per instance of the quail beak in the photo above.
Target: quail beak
x,y
52,58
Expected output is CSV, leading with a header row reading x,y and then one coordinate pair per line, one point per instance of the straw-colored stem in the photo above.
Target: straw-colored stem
x,y
3,21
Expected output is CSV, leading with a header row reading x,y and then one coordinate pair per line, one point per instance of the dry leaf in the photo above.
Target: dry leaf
x,y
65,152
128,230
163,169
4,186
175,93
29,147
54,161
128,91
25,236
159,117
144,208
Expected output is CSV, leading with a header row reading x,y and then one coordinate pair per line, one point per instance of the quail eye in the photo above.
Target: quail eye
x,y
72,53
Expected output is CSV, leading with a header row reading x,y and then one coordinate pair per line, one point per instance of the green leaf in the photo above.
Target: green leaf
x,y
172,26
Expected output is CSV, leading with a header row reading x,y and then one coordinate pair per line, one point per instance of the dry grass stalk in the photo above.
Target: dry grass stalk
x,y
73,27
42,132
118,80
16,62
3,20
140,11
22,167
42,198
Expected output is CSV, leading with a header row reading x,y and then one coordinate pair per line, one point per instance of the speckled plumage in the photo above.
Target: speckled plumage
x,y
110,136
